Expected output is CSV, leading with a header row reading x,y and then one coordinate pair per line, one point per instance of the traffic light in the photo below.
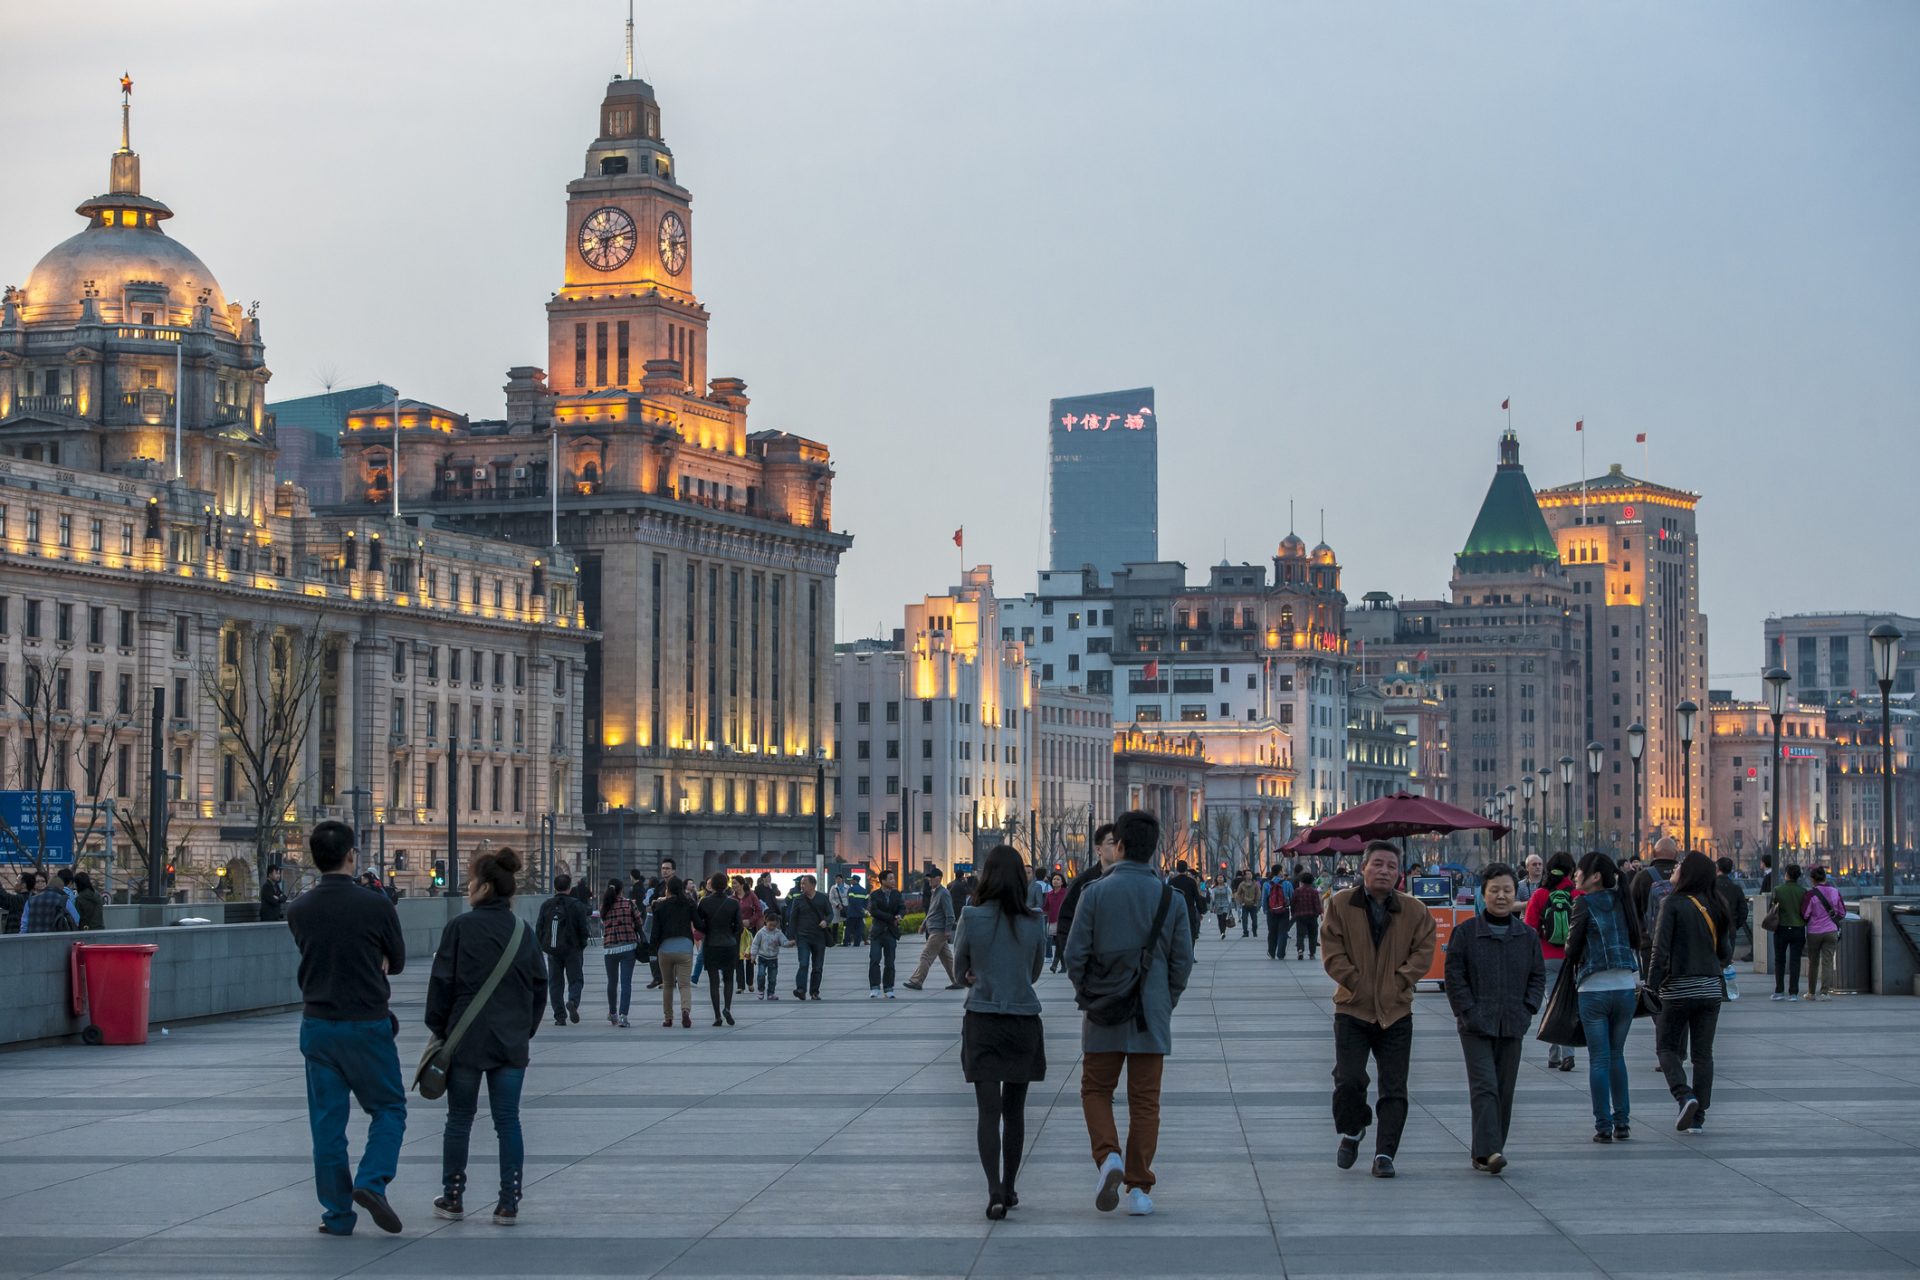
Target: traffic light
x,y
439,873
223,886
169,875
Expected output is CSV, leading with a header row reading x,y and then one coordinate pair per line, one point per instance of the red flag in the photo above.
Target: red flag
x,y
1506,402
1580,425
1152,671
960,536
1641,438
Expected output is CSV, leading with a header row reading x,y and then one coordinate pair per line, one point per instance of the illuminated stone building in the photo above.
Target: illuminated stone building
x,y
145,546
1411,701
1072,770
707,556
1855,780
934,734
1630,550
1379,752
1163,768
1739,751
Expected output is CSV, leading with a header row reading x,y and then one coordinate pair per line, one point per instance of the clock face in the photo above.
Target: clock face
x,y
673,244
607,238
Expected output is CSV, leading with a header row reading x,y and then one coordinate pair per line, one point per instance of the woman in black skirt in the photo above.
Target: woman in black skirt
x,y
1000,950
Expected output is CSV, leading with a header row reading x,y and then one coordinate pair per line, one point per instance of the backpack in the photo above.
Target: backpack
x,y
1557,921
1656,893
1110,989
1277,898
553,924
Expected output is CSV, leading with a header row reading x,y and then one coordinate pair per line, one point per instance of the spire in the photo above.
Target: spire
x,y
124,175
629,39
1510,534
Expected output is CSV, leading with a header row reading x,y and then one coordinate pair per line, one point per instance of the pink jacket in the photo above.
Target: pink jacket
x,y
1536,909
1819,921
1055,897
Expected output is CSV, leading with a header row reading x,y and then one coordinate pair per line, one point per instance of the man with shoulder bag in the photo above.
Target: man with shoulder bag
x,y
1129,955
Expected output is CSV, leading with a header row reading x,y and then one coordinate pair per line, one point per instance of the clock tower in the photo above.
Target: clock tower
x,y
628,291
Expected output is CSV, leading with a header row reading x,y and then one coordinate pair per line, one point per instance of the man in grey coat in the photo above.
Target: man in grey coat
x,y
938,926
1114,917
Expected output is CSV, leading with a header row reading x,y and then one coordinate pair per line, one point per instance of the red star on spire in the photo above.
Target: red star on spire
x,y
126,84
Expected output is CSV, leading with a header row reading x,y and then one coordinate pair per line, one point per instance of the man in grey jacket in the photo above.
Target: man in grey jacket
x,y
938,926
1114,917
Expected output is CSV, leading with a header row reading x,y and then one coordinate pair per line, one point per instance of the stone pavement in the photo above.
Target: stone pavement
x,y
837,1140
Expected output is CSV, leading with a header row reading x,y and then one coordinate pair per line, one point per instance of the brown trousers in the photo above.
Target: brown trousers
x,y
676,974
1099,1077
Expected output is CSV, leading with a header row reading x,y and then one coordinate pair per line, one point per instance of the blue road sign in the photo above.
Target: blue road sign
x,y
30,817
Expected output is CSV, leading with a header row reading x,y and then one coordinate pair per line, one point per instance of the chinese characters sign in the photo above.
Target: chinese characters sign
x,y
1135,421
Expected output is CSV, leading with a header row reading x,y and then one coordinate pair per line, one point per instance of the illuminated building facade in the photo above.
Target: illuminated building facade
x,y
128,565
706,551
1855,780
1410,700
934,734
308,430
1830,656
1103,480
1631,553
1740,781
1072,771
1379,752
1163,769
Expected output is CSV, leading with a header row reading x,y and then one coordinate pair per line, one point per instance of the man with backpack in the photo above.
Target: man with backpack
x,y
1246,896
49,911
1128,958
1549,913
1306,916
1649,888
562,928
1279,897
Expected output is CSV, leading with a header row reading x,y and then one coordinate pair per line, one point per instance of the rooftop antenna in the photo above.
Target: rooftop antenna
x,y
126,109
1323,526
1289,515
629,39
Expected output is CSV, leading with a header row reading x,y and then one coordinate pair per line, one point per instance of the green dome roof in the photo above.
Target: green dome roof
x,y
1510,535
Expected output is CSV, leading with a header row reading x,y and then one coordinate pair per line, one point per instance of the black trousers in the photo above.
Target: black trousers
x,y
1686,1027
1493,1065
1391,1047
880,952
565,979
1277,933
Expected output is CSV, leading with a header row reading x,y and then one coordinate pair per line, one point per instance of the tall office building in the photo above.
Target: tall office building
x,y
309,432
1103,480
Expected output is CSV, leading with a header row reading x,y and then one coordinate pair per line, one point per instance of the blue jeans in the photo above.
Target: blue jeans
x,y
620,982
354,1060
880,955
807,953
1606,1017
463,1101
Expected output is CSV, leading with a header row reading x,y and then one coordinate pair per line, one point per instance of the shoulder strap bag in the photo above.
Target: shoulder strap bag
x,y
1123,1004
430,1078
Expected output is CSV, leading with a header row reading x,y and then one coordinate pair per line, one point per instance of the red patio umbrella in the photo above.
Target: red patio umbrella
x,y
1402,814
1311,844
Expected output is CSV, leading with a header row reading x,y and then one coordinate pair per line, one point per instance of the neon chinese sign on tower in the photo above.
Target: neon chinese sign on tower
x,y
1103,480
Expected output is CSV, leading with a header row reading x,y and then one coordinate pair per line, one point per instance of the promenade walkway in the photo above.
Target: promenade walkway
x,y
837,1140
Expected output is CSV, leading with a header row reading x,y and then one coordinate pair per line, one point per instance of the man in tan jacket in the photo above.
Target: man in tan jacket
x,y
1375,943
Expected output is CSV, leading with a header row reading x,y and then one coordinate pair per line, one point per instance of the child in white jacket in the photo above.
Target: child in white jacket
x,y
766,957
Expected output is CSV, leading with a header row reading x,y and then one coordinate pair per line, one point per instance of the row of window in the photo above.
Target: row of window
x,y
400,728
459,665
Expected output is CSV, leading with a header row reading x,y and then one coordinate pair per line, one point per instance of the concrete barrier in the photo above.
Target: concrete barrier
x,y
199,971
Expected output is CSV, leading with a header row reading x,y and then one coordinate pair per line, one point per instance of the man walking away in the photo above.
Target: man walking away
x,y
1306,917
1246,896
809,925
52,911
938,926
857,897
1279,913
1114,930
1375,944
1496,979
886,906
1735,900
1649,885
562,929
1187,887
273,897
1789,899
350,944
1106,852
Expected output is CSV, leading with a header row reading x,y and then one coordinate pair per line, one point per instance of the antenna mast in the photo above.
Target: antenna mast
x,y
629,39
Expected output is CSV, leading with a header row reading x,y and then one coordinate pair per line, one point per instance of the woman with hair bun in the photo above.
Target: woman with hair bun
x,y
495,1044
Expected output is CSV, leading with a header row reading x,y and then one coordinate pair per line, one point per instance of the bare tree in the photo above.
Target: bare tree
x,y
131,822
264,684
41,705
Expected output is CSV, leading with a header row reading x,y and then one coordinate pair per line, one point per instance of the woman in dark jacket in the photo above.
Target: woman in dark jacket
x,y
1495,980
1692,944
1603,950
87,901
718,920
670,931
495,1045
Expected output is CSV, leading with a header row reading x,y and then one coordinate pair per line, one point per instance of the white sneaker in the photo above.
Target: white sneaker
x,y
1793,999
1778,996
1106,1185
1139,1203
874,994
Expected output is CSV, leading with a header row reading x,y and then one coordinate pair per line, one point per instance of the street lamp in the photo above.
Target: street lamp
x,y
1509,809
1776,679
1526,816
1886,656
1546,806
1636,747
1566,797
1686,711
1596,755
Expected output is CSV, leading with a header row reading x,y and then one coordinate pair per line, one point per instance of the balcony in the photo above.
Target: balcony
x,y
45,404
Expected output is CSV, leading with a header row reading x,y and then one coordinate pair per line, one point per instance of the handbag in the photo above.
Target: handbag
x,y
1771,920
1646,1001
1109,995
1560,1016
430,1077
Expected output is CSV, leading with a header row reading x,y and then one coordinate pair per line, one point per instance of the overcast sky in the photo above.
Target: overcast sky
x,y
1333,237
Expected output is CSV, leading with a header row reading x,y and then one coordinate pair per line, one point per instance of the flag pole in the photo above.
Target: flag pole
x,y
553,479
1580,429
393,464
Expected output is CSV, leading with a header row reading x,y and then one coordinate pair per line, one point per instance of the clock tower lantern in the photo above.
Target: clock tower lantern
x,y
628,293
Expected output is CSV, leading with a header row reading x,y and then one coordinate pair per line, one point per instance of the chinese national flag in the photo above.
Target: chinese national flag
x,y
960,536
1508,401
1641,438
1580,425
1152,671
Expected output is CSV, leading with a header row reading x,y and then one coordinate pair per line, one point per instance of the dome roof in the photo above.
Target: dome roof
x,y
103,261
1293,548
1323,554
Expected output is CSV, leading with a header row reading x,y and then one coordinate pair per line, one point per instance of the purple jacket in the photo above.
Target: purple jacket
x,y
1827,921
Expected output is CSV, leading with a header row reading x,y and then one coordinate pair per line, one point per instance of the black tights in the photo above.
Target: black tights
x,y
1002,1118
720,969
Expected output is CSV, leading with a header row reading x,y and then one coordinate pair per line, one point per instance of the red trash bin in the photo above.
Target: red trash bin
x,y
118,982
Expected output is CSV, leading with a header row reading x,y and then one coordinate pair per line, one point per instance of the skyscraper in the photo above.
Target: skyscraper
x,y
1103,480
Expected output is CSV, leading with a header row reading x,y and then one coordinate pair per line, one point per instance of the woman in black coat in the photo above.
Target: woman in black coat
x,y
495,1044
1692,946
1496,980
717,917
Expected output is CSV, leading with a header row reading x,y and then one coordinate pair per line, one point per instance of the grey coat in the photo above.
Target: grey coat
x,y
1002,957
1114,913
939,912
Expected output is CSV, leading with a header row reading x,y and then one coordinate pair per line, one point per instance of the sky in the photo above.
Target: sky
x,y
1333,237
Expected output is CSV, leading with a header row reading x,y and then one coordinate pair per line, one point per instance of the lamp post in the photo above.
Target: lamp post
x,y
1526,817
1511,789
1776,680
1636,747
1686,711
1566,798
1546,808
1886,656
1596,756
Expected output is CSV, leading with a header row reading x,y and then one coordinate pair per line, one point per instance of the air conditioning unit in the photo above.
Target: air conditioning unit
x,y
450,475
519,473
479,473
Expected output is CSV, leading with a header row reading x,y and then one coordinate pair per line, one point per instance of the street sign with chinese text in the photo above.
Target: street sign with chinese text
x,y
38,828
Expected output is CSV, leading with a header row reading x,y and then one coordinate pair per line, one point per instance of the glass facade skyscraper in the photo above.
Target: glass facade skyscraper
x,y
1103,480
